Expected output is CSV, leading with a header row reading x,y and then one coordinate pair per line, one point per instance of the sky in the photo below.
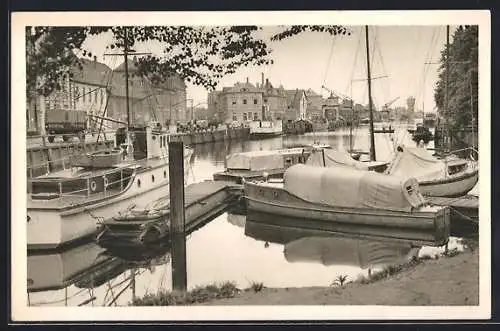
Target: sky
x,y
406,55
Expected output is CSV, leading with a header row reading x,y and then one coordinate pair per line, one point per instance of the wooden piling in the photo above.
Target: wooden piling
x,y
177,218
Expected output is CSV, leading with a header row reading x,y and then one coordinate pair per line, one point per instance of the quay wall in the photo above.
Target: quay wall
x,y
208,136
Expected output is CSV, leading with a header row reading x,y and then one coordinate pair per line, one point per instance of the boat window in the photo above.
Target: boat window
x,y
153,178
164,174
138,183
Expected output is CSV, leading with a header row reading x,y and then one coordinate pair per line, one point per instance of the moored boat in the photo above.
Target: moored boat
x,y
146,227
260,164
265,129
330,157
349,197
446,177
68,205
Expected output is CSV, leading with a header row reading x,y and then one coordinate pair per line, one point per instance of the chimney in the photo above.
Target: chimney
x,y
95,61
262,81
267,82
247,80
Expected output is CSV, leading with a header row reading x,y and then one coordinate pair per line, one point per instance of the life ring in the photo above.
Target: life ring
x,y
93,186
106,182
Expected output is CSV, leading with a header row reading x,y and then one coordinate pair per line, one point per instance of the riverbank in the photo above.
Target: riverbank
x,y
446,279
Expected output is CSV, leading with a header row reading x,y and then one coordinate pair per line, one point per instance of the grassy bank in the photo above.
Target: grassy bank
x,y
450,278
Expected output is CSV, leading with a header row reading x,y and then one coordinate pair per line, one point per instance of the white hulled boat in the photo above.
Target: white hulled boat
x,y
69,204
447,177
266,129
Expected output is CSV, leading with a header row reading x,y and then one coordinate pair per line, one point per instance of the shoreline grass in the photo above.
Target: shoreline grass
x,y
228,289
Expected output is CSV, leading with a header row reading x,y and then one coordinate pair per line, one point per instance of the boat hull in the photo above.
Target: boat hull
x,y
264,135
420,227
53,228
450,187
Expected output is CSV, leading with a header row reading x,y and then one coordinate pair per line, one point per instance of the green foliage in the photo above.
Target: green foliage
x,y
339,281
197,295
462,75
256,286
200,55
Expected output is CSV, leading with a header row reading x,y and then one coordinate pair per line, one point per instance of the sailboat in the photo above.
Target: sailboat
x,y
68,205
448,176
344,196
351,157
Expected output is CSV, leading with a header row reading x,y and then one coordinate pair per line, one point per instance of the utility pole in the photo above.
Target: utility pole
x,y
370,107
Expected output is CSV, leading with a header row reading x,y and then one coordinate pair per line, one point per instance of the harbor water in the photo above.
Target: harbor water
x,y
224,249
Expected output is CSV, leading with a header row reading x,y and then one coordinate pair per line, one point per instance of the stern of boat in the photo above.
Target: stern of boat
x,y
442,226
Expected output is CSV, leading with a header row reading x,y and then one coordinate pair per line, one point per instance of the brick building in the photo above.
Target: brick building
x,y
245,102
166,102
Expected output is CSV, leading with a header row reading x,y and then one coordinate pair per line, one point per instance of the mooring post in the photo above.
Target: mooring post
x,y
177,224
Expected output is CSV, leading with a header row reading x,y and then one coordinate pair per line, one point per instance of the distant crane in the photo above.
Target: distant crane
x,y
386,106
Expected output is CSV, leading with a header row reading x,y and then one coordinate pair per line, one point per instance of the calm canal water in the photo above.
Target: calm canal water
x,y
223,250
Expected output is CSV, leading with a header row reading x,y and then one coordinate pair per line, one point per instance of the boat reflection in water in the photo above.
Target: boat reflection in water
x,y
301,245
89,275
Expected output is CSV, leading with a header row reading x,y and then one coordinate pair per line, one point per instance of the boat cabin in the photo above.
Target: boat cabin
x,y
147,142
104,173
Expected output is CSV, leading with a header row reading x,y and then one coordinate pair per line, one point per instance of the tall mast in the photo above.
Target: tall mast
x,y
446,80
125,55
372,137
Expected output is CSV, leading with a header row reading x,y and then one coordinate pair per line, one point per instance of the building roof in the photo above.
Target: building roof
x,y
173,82
91,72
293,97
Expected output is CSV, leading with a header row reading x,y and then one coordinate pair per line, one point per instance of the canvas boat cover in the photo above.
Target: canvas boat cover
x,y
334,158
418,163
348,187
260,160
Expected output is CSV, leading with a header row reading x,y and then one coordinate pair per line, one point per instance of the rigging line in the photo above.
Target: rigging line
x,y
420,83
426,72
349,83
328,62
384,71
427,57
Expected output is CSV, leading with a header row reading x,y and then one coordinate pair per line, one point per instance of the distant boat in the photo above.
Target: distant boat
x,y
350,197
265,129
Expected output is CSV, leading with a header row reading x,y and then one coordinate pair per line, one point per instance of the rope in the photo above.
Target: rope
x,y
468,218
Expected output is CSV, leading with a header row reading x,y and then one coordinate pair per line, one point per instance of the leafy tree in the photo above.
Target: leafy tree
x,y
462,79
200,55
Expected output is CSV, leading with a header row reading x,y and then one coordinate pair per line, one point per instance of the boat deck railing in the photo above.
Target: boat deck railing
x,y
48,165
109,187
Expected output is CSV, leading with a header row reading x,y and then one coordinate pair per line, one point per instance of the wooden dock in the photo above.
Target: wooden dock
x,y
203,202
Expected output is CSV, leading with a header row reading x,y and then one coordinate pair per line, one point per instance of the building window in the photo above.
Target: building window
x,y
244,101
153,178
138,183
234,102
249,115
235,118
265,100
255,116
254,101
164,174
244,116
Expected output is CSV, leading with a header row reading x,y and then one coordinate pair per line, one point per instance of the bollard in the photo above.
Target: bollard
x,y
177,224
